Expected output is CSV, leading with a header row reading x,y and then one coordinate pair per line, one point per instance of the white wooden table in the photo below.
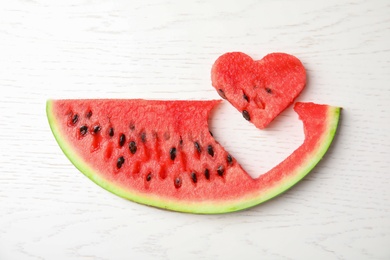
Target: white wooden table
x,y
165,49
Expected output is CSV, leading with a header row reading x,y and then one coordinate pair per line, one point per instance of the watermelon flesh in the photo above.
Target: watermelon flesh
x,y
260,89
162,154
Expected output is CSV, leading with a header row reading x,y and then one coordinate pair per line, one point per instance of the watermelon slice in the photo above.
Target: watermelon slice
x,y
161,153
261,89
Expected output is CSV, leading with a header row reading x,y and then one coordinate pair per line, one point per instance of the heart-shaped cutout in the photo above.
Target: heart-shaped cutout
x,y
260,89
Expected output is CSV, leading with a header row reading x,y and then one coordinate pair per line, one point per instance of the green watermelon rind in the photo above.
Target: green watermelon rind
x,y
311,161
204,207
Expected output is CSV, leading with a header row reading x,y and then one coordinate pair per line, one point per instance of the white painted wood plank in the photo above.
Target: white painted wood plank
x,y
164,50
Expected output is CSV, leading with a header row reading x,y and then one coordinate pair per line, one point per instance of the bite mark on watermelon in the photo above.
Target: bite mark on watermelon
x,y
260,89
162,154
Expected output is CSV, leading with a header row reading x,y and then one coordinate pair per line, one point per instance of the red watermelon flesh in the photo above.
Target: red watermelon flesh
x,y
260,89
161,153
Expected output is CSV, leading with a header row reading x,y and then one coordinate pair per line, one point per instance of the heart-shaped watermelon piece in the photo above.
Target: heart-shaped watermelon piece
x,y
259,89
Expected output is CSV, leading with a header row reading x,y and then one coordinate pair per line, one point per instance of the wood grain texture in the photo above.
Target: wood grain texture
x,y
164,49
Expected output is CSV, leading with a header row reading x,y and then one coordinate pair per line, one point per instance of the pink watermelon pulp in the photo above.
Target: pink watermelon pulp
x,y
260,89
161,153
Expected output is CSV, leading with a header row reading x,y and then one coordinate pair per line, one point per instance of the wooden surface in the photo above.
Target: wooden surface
x,y
165,49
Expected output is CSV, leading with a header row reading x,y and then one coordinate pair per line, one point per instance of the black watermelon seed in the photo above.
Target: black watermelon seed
x,y
132,127
96,129
83,130
207,174
172,153
193,177
75,118
149,176
143,137
269,91
220,170
181,141
132,147
210,150
245,97
177,182
122,140
111,132
197,147
211,133
89,114
221,93
120,162
246,115
229,159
